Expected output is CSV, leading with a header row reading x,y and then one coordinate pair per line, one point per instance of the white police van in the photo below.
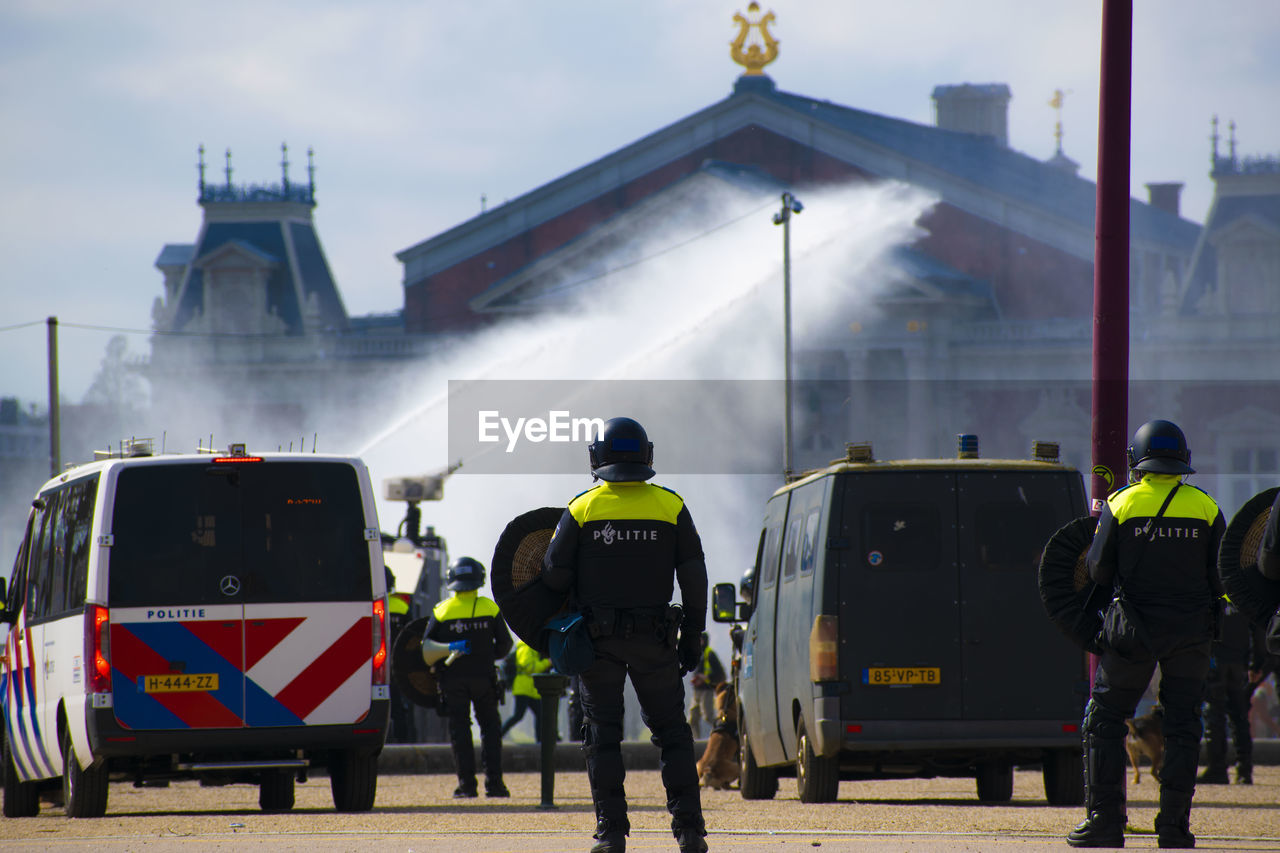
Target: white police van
x,y
212,616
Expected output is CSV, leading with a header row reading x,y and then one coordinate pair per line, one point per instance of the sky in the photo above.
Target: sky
x,y
416,111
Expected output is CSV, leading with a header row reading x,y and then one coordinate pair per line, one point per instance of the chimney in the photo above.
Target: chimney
x,y
981,108
1165,197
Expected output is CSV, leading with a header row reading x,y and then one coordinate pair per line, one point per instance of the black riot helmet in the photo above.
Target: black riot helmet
x,y
466,574
1159,447
623,453
747,586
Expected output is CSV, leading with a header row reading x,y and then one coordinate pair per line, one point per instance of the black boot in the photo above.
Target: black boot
x,y
690,833
1213,775
691,841
1104,801
1173,823
1100,829
611,836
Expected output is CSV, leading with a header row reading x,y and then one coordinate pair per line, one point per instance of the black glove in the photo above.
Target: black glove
x,y
689,650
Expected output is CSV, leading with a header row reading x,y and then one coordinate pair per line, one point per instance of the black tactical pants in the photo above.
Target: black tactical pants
x,y
1227,700
1117,687
655,675
459,694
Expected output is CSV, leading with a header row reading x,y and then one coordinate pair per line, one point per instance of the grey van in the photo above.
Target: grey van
x,y
896,628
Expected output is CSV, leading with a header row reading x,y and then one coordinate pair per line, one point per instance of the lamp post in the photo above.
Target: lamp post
x,y
790,205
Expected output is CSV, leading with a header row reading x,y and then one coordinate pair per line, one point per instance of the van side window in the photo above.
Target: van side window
x,y
768,570
79,513
793,548
809,551
1011,535
901,537
38,579
18,577
56,599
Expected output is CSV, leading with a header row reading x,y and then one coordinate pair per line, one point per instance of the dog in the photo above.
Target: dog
x,y
1146,737
718,767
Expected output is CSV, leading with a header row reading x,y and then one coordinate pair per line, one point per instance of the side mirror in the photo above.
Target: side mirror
x,y
724,604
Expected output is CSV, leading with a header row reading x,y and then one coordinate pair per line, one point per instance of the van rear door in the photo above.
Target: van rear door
x,y
308,613
1016,664
240,594
175,582
899,623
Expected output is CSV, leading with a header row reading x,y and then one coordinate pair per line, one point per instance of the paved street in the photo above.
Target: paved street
x,y
415,812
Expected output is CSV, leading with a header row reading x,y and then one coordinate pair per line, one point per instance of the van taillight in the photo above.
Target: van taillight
x,y
823,660
380,641
98,652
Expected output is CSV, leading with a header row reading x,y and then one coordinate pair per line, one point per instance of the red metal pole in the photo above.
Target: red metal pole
x,y
1111,258
1111,254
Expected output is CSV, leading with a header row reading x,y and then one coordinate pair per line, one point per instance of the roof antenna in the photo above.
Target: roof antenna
x,y
284,167
200,167
1214,138
164,435
313,441
228,168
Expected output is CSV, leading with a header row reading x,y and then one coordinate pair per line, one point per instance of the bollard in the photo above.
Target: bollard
x,y
551,687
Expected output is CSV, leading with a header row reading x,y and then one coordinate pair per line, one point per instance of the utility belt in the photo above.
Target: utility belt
x,y
662,622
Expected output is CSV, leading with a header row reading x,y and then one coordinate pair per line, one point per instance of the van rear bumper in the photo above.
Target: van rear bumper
x,y
834,734
109,739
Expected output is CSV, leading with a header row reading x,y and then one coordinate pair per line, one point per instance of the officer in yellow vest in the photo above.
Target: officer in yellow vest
x,y
397,618
1157,545
528,663
472,626
619,549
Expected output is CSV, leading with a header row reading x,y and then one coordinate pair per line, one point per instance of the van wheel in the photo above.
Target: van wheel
x,y
21,799
817,778
84,792
755,782
275,791
353,776
1064,777
995,781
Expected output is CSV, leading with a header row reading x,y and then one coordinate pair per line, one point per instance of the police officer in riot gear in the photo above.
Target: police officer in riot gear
x,y
472,626
1157,544
619,548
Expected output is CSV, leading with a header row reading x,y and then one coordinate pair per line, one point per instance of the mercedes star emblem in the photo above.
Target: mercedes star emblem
x,y
230,585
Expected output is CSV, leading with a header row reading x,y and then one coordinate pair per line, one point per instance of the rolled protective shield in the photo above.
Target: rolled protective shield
x,y
410,674
1073,601
515,575
1255,595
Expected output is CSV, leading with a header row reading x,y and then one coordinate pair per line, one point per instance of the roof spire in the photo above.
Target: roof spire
x,y
761,51
1056,102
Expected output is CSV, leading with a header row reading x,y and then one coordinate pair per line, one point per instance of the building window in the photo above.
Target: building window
x,y
1252,469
